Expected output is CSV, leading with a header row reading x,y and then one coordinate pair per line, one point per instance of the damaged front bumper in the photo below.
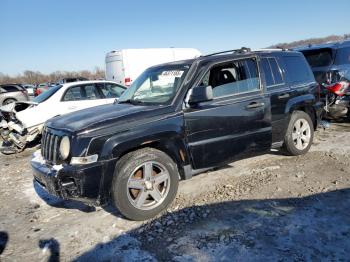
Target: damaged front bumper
x,y
80,182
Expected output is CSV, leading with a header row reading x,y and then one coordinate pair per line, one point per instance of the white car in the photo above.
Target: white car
x,y
22,122
30,89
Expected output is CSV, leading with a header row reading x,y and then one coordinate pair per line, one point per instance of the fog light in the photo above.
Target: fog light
x,y
84,160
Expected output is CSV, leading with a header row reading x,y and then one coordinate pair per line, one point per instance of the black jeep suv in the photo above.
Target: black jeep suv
x,y
176,120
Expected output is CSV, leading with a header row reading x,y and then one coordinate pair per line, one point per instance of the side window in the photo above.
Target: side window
x,y
10,88
90,92
73,94
111,90
233,78
298,70
276,71
267,72
272,71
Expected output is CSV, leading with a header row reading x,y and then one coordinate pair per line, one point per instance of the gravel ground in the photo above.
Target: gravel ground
x,y
271,207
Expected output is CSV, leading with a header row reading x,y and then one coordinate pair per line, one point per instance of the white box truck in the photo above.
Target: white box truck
x,y
124,66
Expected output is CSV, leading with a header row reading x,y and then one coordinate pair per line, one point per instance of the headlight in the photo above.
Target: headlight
x,y
64,148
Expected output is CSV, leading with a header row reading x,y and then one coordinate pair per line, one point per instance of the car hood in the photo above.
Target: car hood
x,y
104,116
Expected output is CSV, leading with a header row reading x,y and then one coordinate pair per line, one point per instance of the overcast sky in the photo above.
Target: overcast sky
x,y
48,35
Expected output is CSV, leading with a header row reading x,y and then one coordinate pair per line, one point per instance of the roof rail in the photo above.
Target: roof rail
x,y
271,49
240,50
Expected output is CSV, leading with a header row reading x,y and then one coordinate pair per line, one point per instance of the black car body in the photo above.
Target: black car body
x,y
196,132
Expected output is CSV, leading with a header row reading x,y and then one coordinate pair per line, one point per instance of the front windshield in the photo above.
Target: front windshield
x,y
47,94
156,85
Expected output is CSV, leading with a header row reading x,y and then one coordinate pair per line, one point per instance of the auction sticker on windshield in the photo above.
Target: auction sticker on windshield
x,y
177,73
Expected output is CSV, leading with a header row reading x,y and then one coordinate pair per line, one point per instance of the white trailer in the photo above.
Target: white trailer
x,y
124,66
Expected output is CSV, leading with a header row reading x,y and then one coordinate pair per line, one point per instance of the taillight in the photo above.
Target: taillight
x,y
339,88
127,81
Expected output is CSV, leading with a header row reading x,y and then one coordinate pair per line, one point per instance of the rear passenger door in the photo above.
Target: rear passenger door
x,y
236,122
279,92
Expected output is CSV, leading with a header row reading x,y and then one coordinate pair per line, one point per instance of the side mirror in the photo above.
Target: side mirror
x,y
200,94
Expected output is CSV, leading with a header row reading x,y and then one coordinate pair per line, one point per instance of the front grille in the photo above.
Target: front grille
x,y
50,146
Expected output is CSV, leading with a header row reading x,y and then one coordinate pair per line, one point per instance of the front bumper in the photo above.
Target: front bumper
x,y
81,182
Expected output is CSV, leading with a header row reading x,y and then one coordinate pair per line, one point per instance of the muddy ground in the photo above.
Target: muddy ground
x,y
267,208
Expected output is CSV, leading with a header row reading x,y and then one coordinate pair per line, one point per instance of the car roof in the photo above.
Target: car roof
x,y
225,55
333,45
90,82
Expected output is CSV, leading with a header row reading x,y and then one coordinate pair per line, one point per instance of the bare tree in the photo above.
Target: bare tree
x,y
312,41
36,77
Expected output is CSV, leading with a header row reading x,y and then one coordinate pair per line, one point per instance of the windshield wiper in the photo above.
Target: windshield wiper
x,y
131,101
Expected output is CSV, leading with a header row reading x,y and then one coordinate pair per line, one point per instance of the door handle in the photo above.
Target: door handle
x,y
72,107
286,95
255,105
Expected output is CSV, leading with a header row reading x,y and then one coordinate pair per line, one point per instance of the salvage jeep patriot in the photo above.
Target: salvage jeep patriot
x,y
176,120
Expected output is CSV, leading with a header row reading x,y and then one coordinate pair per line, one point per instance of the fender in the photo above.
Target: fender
x,y
304,103
295,103
167,135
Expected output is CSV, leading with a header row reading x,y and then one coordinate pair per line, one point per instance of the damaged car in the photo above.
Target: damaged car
x,y
177,120
21,123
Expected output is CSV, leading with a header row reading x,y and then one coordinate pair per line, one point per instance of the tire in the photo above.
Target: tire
x,y
298,142
136,192
8,101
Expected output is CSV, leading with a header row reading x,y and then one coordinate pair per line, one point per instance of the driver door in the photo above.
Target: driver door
x,y
236,123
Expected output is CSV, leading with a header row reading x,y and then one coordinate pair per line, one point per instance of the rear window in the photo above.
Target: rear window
x,y
272,71
47,94
298,70
319,57
342,56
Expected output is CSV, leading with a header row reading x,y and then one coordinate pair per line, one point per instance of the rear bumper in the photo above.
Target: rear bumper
x,y
82,183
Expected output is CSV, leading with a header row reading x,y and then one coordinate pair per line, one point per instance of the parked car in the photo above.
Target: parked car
x,y
71,79
176,120
124,66
331,66
22,123
11,93
41,88
30,89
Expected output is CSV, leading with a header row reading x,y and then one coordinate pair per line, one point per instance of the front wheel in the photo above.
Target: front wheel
x,y
300,134
144,184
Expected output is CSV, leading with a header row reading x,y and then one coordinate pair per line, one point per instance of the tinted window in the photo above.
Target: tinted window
x,y
10,88
111,90
272,71
319,57
73,94
297,69
276,71
267,72
233,78
342,56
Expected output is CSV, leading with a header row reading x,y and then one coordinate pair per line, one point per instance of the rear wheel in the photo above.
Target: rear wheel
x,y
9,101
145,183
300,134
